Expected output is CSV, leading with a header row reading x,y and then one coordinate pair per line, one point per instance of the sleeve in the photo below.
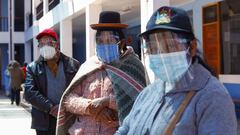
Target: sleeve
x,y
216,114
77,104
124,128
32,94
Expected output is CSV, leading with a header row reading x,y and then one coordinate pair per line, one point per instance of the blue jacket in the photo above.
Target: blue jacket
x,y
210,112
36,89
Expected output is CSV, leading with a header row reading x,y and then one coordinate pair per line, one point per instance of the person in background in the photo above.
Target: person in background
x,y
104,89
184,98
46,80
16,78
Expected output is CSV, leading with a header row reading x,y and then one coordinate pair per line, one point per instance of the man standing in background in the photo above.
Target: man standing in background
x,y
46,80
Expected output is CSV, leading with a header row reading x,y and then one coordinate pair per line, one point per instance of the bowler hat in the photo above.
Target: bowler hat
x,y
109,20
169,18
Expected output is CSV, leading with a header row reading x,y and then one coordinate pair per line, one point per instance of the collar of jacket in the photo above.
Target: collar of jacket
x,y
200,78
40,59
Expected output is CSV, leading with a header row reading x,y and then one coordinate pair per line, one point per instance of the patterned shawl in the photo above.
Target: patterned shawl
x,y
132,76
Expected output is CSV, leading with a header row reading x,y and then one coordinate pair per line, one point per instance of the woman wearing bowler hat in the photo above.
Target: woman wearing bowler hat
x,y
106,85
184,98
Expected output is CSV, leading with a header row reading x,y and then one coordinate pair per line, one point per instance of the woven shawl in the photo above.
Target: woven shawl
x,y
124,102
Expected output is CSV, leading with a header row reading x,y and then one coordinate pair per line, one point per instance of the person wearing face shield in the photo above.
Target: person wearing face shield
x,y
46,80
104,89
183,98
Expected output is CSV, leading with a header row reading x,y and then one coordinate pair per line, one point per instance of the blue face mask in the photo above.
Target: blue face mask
x,y
107,53
169,67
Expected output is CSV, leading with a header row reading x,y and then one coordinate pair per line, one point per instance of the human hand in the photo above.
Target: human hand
x,y
107,115
98,104
54,111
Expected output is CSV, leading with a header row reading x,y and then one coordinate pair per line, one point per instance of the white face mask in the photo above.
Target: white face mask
x,y
48,52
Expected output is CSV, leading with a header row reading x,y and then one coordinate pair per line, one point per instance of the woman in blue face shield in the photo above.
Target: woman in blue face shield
x,y
105,87
183,97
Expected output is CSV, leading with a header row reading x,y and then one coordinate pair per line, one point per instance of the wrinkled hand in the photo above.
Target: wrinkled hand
x,y
98,104
54,111
107,116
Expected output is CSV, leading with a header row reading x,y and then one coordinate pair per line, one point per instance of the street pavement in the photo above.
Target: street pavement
x,y
14,120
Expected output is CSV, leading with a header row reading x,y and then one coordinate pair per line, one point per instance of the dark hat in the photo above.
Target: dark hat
x,y
109,20
169,18
48,32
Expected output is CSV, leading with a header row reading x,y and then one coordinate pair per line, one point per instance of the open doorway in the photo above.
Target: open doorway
x,y
19,53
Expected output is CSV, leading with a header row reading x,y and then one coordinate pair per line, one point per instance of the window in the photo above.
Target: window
x,y
210,14
230,41
52,4
19,15
39,10
3,15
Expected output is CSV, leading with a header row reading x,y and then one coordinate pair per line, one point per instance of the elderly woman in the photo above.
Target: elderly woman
x,y
184,98
106,85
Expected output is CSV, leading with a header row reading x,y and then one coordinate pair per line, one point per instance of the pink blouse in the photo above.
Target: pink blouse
x,y
96,85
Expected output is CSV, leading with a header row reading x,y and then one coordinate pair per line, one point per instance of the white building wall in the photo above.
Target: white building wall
x,y
60,13
18,37
4,37
66,37
92,17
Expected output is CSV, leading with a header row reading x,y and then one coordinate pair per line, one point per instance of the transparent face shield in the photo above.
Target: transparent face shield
x,y
47,41
165,55
48,47
107,46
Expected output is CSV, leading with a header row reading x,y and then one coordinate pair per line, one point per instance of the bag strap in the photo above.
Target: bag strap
x,y
176,117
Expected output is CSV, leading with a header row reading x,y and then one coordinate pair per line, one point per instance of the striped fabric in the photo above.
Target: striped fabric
x,y
128,70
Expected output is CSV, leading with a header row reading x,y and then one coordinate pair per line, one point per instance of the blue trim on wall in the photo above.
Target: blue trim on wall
x,y
234,91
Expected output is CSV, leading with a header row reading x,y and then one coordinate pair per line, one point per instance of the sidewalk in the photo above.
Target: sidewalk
x,y
14,120
24,103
